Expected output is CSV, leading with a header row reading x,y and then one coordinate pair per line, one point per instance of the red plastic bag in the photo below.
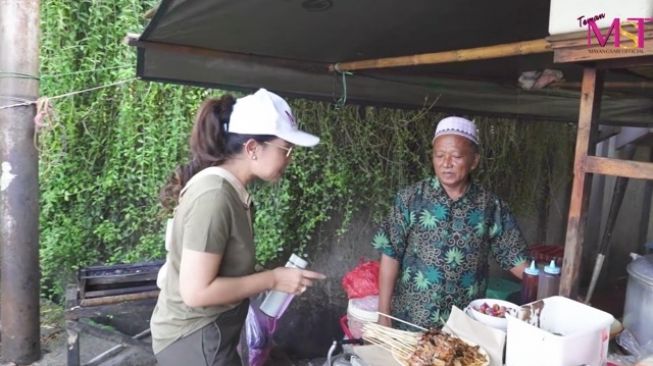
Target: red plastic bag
x,y
362,281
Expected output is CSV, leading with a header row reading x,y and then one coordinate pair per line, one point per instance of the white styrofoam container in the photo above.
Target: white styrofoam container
x,y
564,14
584,333
361,311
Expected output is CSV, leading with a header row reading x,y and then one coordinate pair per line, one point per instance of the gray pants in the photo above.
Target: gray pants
x,y
213,345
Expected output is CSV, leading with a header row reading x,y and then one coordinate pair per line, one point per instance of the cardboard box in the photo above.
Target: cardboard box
x,y
558,332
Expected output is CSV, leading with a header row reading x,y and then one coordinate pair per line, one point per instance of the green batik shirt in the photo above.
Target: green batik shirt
x,y
443,248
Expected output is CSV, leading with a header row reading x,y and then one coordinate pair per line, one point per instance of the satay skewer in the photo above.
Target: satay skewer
x,y
403,321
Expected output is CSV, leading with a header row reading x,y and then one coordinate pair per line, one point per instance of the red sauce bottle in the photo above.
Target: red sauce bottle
x,y
529,283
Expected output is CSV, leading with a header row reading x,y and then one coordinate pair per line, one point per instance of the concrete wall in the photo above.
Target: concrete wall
x,y
311,323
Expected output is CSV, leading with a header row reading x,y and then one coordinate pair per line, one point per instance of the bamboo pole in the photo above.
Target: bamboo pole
x,y
470,54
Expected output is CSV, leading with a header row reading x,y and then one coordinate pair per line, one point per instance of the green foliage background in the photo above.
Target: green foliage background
x,y
108,152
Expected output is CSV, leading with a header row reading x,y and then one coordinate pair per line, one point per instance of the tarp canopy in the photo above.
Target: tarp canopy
x,y
287,45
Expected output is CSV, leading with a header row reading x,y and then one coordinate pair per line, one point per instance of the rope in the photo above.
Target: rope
x,y
343,100
16,75
30,102
19,75
49,76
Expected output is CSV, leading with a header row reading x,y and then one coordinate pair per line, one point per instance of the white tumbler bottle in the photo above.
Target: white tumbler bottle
x,y
276,302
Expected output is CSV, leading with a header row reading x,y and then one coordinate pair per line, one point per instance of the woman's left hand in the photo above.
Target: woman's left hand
x,y
293,280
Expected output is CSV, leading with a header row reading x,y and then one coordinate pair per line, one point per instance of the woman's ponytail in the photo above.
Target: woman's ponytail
x,y
209,146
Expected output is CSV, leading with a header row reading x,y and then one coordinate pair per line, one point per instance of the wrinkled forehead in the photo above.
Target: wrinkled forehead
x,y
453,143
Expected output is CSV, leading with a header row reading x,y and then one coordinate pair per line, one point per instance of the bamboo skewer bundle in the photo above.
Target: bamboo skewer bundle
x,y
400,343
408,347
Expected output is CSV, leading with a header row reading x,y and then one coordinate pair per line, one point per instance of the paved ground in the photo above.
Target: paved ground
x,y
54,354
53,344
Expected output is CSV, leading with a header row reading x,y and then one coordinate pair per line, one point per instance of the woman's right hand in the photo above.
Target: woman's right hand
x,y
294,280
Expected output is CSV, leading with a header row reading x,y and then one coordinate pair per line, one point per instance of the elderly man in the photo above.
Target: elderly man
x,y
437,238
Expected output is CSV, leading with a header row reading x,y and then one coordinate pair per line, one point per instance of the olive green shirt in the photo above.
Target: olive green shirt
x,y
213,217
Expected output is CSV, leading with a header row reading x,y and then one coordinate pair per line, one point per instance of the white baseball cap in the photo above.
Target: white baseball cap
x,y
265,113
457,126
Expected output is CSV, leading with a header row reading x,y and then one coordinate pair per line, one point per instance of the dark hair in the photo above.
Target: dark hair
x,y
210,145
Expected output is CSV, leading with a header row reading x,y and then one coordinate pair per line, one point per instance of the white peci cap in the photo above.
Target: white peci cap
x,y
265,113
457,126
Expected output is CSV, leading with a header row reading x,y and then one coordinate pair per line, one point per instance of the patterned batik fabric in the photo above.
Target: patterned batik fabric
x,y
443,248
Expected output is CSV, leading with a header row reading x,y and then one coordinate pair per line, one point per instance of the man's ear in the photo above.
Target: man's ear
x,y
477,160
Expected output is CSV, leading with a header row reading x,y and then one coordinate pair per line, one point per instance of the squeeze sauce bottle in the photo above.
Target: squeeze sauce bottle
x,y
549,281
529,284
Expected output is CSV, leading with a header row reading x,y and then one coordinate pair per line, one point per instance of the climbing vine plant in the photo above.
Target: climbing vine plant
x,y
108,152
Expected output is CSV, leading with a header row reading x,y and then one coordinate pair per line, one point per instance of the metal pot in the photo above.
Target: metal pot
x,y
638,316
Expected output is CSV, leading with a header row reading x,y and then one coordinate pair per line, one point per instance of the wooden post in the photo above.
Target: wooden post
x,y
72,343
590,103
19,186
72,339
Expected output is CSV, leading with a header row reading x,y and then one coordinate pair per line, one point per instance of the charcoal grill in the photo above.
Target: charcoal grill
x,y
109,291
117,280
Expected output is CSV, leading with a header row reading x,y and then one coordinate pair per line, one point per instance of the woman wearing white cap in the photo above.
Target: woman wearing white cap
x,y
437,238
209,271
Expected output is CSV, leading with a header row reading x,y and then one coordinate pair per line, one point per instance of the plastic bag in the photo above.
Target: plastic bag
x,y
362,281
640,355
259,329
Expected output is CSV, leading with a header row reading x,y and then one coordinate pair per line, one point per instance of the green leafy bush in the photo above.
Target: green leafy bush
x,y
108,153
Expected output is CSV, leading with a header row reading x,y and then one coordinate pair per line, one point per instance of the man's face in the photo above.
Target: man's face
x,y
453,158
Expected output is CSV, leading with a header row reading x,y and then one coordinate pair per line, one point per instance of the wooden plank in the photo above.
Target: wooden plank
x,y
107,300
117,269
574,47
619,168
128,307
587,127
111,335
114,292
558,39
580,40
586,54
127,278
